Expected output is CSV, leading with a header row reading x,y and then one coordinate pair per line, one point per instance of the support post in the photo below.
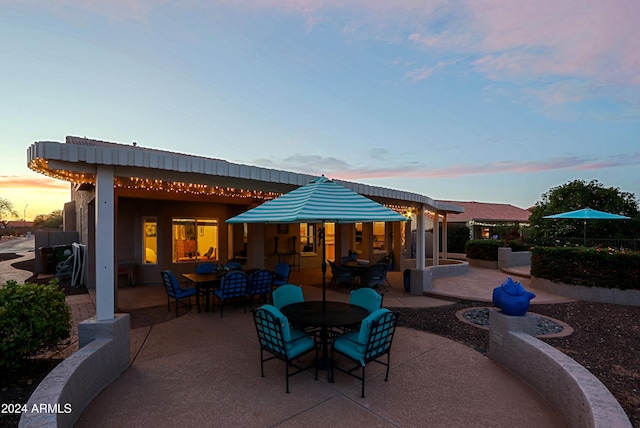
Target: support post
x,y
436,238
420,239
105,243
445,241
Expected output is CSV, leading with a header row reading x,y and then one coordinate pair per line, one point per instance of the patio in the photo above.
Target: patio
x,y
200,369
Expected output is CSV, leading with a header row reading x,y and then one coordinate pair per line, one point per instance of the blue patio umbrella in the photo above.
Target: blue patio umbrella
x,y
322,200
587,214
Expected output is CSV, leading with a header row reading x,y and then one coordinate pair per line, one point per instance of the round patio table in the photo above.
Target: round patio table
x,y
335,314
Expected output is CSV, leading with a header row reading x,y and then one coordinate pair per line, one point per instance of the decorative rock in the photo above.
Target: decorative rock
x,y
512,298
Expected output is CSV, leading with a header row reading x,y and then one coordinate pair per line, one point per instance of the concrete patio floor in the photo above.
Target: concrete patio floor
x,y
202,370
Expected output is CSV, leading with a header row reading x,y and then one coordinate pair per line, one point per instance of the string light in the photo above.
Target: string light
x,y
180,187
157,185
41,166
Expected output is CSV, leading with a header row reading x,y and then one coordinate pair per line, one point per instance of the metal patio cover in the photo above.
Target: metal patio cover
x,y
322,200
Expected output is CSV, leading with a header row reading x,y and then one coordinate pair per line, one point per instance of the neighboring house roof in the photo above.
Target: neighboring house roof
x,y
79,158
19,223
488,212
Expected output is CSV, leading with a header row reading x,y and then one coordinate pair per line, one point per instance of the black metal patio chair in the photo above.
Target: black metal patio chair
x,y
281,342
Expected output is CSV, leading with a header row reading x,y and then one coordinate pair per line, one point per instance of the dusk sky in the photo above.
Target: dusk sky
x,y
470,100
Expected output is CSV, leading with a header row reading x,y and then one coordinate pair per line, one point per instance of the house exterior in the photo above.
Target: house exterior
x,y
151,210
482,218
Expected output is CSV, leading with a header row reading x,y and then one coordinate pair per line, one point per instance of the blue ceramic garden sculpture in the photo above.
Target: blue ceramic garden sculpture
x,y
512,298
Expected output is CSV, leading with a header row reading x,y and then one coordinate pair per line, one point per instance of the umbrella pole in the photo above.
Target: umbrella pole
x,y
324,268
584,234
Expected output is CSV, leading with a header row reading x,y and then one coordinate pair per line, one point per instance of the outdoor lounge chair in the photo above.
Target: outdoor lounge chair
x,y
231,265
260,284
367,298
233,286
370,343
376,275
174,291
281,274
278,339
206,267
286,295
340,275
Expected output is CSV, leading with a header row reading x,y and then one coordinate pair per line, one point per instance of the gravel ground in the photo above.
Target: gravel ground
x,y
606,340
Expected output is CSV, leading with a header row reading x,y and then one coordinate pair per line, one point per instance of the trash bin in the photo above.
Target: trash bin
x,y
62,253
407,280
48,260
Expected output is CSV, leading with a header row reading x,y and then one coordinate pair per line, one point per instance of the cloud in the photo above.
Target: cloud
x,y
15,182
115,10
591,41
340,169
308,164
426,72
590,45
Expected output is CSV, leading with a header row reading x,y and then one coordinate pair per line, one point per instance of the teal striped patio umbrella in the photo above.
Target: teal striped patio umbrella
x,y
320,201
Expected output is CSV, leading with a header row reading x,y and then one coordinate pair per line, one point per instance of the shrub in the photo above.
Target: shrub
x,y
482,249
34,318
592,267
516,246
457,237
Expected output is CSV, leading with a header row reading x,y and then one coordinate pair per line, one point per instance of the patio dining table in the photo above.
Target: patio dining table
x,y
358,270
205,283
335,314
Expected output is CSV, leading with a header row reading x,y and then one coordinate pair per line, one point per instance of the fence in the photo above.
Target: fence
x,y
619,244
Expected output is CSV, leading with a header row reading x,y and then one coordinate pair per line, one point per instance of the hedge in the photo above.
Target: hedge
x,y
487,249
592,267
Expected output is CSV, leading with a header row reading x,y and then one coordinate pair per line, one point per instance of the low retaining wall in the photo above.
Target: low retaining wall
x,y
421,280
578,395
485,264
591,294
507,258
63,395
449,268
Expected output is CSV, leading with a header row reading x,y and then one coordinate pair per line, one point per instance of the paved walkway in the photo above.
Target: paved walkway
x,y
23,247
203,370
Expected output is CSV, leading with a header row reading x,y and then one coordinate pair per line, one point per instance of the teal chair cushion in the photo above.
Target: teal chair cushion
x,y
366,298
355,344
296,342
287,294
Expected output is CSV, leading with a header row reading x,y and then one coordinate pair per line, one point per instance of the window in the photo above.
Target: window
x,y
150,240
330,240
307,238
358,238
194,239
379,235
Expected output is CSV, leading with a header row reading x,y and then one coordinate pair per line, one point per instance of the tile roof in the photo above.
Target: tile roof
x,y
486,211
